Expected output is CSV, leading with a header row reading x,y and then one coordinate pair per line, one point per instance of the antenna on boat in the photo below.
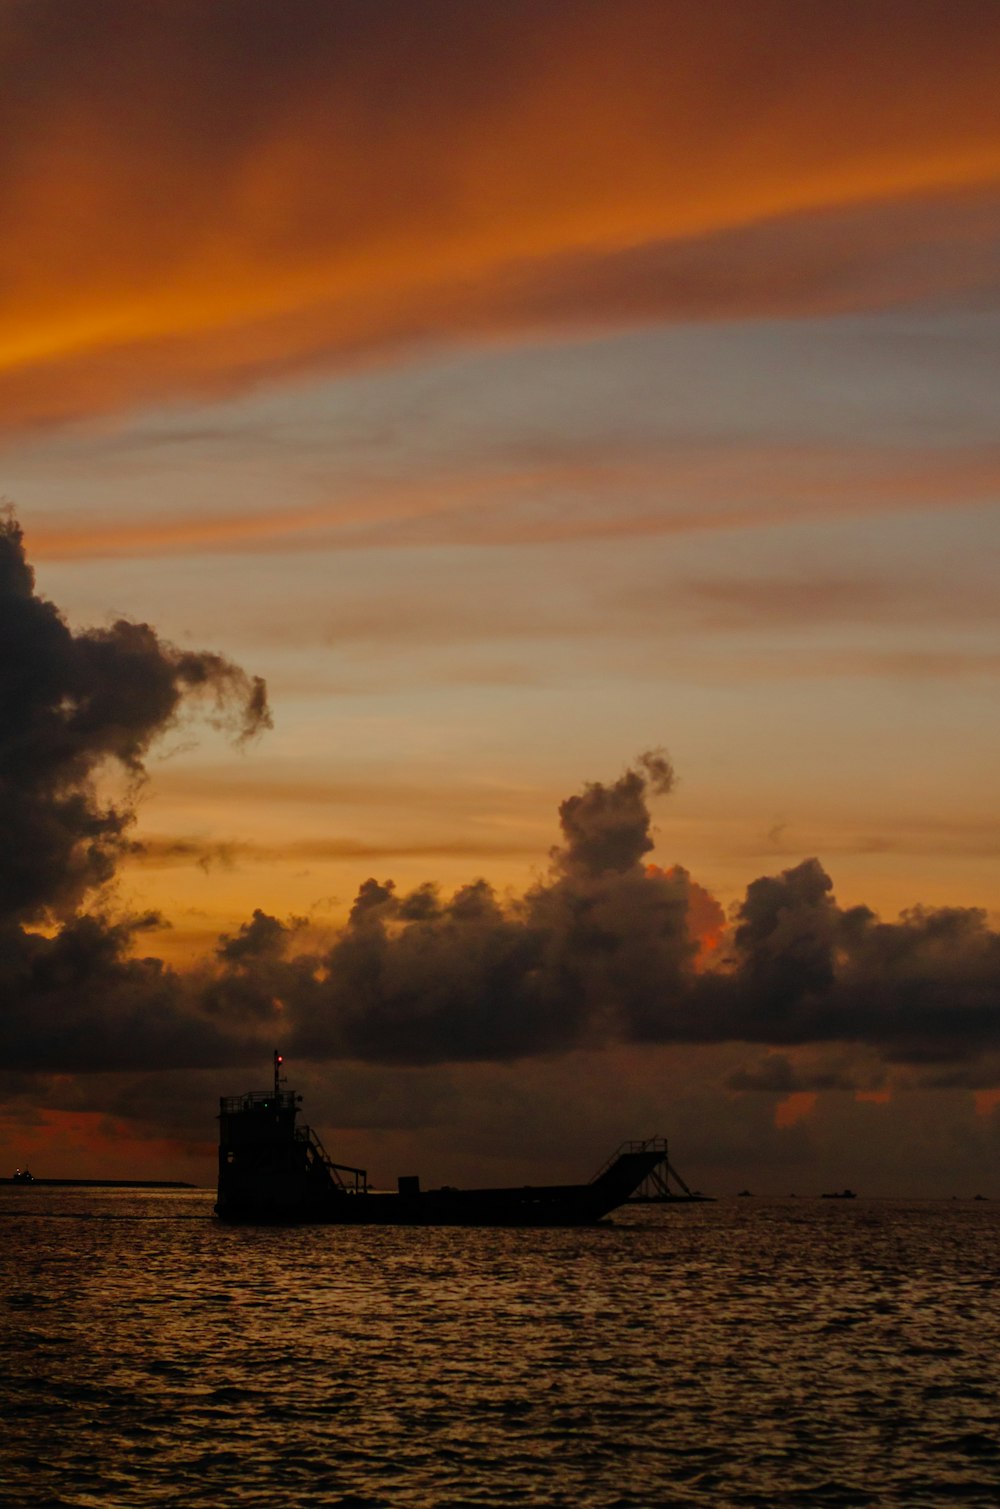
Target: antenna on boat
x,y
278,1061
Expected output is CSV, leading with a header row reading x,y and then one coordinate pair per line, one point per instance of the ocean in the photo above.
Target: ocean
x,y
801,1352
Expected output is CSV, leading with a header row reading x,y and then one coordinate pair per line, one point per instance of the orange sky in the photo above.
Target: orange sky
x,y
190,206
517,388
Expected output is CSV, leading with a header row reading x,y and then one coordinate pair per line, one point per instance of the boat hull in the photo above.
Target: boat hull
x,y
530,1205
273,1171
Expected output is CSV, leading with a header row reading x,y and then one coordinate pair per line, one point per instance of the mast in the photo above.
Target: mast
x,y
278,1061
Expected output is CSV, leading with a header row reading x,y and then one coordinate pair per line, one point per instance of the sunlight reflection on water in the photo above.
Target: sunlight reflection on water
x,y
788,1353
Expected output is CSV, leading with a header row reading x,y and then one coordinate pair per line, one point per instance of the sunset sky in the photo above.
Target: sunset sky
x,y
516,388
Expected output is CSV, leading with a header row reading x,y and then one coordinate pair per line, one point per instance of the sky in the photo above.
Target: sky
x,y
499,585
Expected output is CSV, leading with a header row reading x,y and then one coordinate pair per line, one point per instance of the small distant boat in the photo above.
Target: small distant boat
x,y
840,1194
22,1176
744,1194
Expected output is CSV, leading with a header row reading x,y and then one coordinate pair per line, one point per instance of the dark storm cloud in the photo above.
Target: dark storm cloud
x,y
607,827
77,1001
72,704
777,1075
606,948
76,707
803,970
421,978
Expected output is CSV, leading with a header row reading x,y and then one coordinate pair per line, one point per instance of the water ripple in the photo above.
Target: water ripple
x,y
784,1355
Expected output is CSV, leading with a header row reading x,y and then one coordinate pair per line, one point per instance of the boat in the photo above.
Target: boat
x,y
840,1194
272,1170
22,1176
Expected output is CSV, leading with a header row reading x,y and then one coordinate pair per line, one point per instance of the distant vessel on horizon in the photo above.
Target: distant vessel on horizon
x,y
272,1170
840,1194
24,1176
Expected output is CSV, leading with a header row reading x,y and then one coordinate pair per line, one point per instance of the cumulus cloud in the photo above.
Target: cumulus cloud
x,y
609,948
72,704
605,948
421,978
76,708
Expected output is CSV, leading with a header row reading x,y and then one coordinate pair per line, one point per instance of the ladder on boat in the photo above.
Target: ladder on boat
x,y
352,1181
656,1187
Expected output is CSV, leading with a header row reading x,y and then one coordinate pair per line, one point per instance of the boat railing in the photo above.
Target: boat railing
x,y
353,1181
635,1145
257,1101
655,1186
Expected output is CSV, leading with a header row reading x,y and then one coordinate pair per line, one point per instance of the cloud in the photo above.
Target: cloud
x,y
154,852
851,257
776,1074
76,707
924,989
604,949
196,202
816,598
578,493
79,1002
606,828
610,949
795,1108
72,704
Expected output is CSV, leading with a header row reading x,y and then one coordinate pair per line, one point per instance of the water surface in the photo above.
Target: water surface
x,y
742,1353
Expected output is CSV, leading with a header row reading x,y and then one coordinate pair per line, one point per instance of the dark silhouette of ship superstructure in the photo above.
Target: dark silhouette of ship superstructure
x,y
273,1170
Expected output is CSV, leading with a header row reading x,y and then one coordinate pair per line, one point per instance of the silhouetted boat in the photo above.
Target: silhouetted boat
x,y
272,1170
22,1176
840,1194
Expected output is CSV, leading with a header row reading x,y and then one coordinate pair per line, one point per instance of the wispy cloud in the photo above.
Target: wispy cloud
x,y
194,203
160,852
574,495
